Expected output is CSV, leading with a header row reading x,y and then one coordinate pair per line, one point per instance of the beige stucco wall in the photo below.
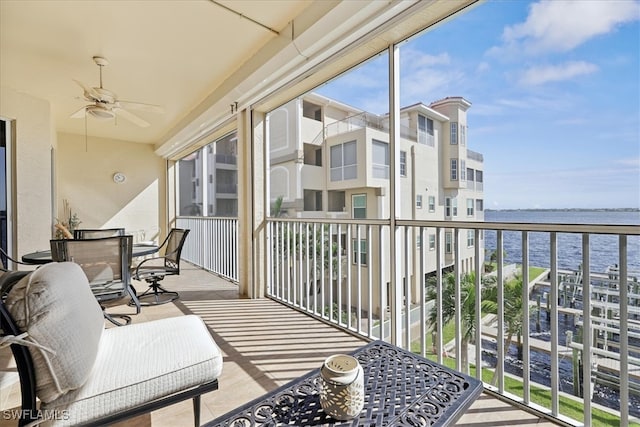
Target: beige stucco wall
x,y
34,139
85,179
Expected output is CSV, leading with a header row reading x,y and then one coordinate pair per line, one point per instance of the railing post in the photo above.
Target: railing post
x,y
624,330
553,308
394,191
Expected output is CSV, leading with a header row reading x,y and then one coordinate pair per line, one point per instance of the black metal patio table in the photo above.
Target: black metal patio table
x,y
401,389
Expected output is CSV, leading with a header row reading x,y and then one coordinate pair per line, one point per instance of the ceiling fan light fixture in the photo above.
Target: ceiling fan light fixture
x,y
100,112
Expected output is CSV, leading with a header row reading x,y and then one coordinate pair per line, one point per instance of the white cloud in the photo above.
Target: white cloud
x,y
483,67
413,59
554,73
425,77
633,162
560,25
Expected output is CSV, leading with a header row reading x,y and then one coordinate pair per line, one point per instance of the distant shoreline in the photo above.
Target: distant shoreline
x,y
566,210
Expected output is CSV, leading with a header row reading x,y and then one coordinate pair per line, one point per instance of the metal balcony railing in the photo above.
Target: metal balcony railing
x,y
543,333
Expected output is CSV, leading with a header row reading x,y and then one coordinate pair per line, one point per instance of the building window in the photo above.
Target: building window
x,y
419,201
432,203
478,176
425,131
469,207
479,205
454,133
336,201
312,200
454,206
447,207
380,159
463,135
343,161
448,238
432,242
463,170
403,163
359,205
363,251
418,241
470,174
470,238
454,170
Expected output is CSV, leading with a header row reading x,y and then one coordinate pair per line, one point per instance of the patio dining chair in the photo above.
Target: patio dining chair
x,y
97,233
106,263
154,270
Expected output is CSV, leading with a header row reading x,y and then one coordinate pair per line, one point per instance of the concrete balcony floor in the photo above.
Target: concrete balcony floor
x,y
265,345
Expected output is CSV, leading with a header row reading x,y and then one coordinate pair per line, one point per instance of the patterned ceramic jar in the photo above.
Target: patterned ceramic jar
x,y
342,387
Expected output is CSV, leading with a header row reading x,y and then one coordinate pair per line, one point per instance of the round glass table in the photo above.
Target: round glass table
x,y
44,257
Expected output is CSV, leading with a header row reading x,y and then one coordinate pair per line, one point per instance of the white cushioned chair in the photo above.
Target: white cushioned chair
x,y
86,374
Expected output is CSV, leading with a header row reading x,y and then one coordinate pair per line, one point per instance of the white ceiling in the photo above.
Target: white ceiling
x,y
170,53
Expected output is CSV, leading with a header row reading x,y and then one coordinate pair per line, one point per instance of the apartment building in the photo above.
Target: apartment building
x,y
208,180
330,160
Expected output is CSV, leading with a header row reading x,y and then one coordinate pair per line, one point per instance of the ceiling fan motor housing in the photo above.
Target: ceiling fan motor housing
x,y
102,95
100,112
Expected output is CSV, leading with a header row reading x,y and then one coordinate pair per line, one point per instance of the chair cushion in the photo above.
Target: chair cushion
x,y
57,309
139,363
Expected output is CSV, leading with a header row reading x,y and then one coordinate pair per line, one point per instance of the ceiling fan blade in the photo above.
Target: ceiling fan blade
x,y
89,93
80,113
141,106
121,112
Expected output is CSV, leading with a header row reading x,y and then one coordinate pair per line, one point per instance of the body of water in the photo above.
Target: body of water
x,y
603,253
603,248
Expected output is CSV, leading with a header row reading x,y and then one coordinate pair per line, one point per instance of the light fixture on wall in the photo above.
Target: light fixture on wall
x,y
119,178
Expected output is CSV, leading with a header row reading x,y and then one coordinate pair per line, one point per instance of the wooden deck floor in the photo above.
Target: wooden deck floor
x,y
265,345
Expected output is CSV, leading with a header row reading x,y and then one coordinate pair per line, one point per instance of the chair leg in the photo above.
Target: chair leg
x,y
111,318
134,298
156,294
196,411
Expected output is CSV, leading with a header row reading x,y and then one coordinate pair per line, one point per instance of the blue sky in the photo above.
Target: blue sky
x,y
555,93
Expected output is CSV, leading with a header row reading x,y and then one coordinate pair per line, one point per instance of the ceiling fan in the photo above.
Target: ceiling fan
x,y
104,104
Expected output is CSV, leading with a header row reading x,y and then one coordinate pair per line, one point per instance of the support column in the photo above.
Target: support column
x,y
251,204
394,196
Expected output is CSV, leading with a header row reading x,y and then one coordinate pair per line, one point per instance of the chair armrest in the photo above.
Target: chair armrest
x,y
146,261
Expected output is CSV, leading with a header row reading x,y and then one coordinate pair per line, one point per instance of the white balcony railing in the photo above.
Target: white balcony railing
x,y
346,273
212,244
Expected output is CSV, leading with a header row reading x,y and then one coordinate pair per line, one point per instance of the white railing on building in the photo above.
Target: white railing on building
x,y
212,244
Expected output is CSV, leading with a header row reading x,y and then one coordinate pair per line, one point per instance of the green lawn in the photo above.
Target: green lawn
x,y
542,397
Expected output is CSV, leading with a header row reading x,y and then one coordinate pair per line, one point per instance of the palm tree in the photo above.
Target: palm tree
x,y
513,309
467,304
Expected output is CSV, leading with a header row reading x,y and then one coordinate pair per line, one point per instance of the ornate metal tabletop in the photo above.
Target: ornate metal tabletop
x,y
401,389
